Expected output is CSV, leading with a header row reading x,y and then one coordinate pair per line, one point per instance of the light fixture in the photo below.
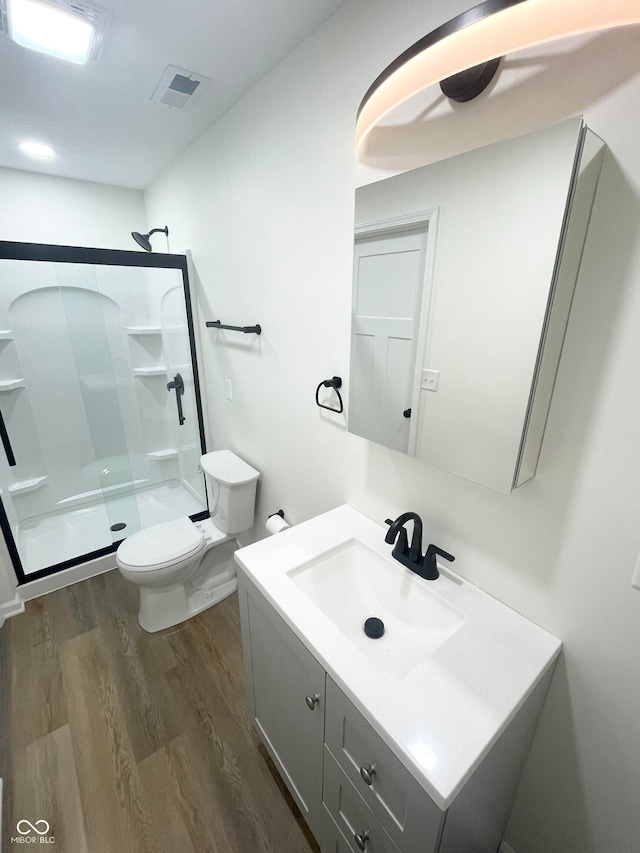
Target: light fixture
x,y
482,34
39,150
70,31
143,239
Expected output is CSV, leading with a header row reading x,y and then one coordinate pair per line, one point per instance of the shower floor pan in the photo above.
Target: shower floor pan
x,y
56,537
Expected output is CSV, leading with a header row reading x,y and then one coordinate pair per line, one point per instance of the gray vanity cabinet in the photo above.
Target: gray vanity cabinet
x,y
353,790
285,687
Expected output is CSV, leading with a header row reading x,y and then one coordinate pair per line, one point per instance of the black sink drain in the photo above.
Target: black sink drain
x,y
374,627
120,525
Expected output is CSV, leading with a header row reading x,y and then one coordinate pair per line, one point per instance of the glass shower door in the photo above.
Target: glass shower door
x,y
94,329
94,360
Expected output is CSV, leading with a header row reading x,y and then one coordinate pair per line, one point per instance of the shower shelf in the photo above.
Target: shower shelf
x,y
22,486
134,331
11,384
162,455
6,335
149,371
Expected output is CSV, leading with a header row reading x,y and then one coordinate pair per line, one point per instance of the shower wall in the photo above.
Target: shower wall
x,y
86,352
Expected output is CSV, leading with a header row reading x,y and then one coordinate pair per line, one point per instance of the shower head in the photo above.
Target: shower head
x,y
143,239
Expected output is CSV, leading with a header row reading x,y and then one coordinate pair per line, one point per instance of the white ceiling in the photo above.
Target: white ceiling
x,y
99,117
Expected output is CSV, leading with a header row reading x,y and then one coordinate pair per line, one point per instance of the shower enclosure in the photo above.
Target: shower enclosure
x,y
100,413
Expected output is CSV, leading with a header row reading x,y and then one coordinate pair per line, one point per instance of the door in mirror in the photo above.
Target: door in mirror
x,y
502,231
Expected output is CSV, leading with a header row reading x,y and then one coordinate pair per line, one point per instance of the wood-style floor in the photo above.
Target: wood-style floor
x,y
132,742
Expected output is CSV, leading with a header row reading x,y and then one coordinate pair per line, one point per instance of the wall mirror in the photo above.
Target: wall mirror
x,y
464,272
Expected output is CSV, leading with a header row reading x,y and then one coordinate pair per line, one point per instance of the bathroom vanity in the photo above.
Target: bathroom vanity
x,y
413,742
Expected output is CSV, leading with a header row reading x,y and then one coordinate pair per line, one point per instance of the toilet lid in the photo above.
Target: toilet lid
x,y
161,544
227,468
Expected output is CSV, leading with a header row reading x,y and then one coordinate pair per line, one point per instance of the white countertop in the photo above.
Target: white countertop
x,y
442,718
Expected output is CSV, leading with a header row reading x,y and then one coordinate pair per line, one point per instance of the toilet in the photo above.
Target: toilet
x,y
183,566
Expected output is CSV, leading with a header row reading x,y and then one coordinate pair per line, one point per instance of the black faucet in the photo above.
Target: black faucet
x,y
411,556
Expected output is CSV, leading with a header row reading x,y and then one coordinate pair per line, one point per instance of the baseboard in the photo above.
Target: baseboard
x,y
12,608
504,848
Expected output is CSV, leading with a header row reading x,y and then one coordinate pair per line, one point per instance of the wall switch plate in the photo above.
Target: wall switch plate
x,y
430,380
229,392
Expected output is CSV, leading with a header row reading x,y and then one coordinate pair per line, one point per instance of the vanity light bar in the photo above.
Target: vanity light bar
x,y
485,32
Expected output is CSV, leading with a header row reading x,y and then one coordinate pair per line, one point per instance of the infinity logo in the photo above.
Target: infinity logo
x,y
32,827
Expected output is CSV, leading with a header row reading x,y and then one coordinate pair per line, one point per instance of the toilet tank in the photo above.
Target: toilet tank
x,y
231,490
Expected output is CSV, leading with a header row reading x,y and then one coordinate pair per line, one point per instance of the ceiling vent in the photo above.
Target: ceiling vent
x,y
179,87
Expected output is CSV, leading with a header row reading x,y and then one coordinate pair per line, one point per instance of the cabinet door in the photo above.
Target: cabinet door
x,y
288,687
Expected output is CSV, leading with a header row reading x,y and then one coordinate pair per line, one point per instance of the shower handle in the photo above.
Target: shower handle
x,y
4,435
177,385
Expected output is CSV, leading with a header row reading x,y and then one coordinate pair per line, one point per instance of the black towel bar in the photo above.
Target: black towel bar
x,y
248,330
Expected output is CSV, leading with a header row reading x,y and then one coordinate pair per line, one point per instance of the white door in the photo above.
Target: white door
x,y
388,276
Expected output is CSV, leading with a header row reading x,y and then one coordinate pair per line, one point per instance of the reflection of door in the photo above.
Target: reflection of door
x,y
388,277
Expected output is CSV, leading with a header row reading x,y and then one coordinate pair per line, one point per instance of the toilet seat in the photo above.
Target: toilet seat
x,y
161,545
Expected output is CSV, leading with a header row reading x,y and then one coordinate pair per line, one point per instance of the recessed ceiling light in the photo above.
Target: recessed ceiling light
x,y
37,149
55,28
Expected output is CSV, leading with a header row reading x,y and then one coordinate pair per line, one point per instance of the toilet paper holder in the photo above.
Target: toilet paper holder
x,y
276,522
335,382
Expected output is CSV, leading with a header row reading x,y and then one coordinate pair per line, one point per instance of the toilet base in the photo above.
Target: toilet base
x,y
160,609
165,606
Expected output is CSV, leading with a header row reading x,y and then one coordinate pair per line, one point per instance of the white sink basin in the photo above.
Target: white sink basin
x,y
453,667
352,582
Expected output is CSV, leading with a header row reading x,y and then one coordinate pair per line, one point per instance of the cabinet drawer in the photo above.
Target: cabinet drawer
x,y
411,818
332,840
351,815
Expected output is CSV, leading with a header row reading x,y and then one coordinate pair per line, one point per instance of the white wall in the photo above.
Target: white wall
x,y
265,202
37,208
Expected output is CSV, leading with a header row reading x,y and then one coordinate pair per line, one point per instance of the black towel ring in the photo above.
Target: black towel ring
x,y
335,382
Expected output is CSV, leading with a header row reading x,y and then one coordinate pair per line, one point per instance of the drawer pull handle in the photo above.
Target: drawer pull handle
x,y
312,701
361,839
368,773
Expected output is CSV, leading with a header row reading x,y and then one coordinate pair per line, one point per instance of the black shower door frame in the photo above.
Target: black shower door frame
x,y
10,250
